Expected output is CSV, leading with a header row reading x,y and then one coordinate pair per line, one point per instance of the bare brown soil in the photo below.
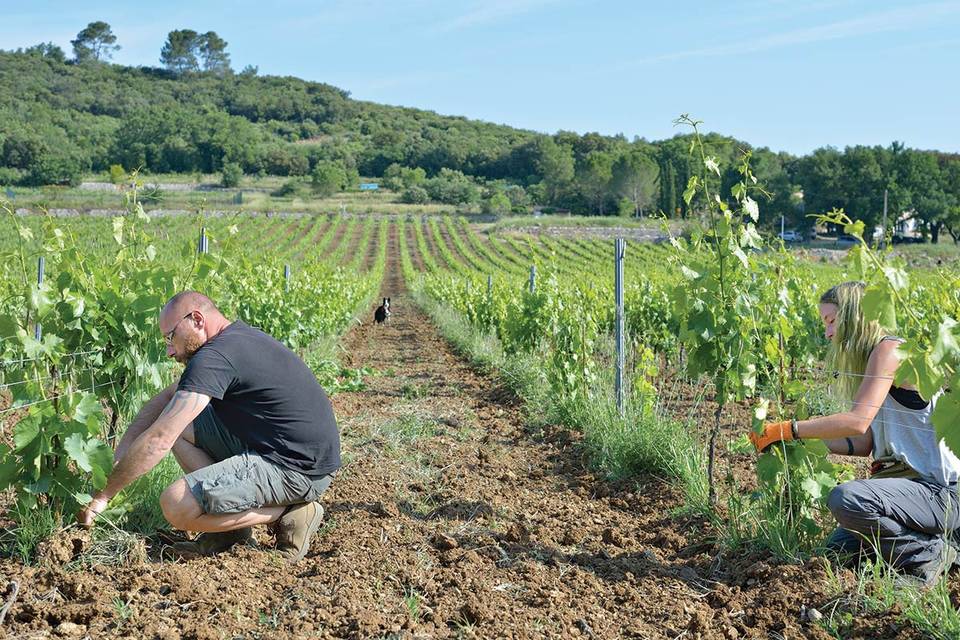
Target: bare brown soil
x,y
449,519
432,245
373,247
320,226
276,234
293,232
411,237
506,251
354,243
339,235
453,248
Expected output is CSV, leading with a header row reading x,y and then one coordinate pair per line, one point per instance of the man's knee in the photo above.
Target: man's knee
x,y
179,505
854,503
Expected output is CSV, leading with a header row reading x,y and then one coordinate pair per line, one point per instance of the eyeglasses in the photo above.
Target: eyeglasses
x,y
168,337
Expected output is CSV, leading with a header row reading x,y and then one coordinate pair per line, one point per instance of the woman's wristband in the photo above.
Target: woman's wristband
x,y
849,447
793,430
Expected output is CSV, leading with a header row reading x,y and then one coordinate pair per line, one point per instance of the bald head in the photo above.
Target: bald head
x,y
187,301
187,321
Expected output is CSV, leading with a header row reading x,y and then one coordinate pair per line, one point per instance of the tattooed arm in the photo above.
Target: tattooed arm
x,y
148,449
147,416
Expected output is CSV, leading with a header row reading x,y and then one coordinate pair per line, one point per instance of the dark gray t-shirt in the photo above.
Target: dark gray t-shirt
x,y
268,397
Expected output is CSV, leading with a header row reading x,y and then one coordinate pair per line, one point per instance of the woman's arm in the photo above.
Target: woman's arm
x,y
877,380
860,445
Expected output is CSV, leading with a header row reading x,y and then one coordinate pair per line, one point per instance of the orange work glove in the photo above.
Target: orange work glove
x,y
772,432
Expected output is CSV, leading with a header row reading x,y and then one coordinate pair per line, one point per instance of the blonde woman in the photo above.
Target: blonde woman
x,y
907,510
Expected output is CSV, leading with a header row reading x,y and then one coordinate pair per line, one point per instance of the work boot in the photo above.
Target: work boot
x,y
210,544
296,529
926,575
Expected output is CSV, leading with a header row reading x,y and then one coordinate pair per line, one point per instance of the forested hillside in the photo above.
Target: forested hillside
x,y
61,119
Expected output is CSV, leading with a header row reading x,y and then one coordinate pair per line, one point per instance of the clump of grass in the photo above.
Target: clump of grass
x,y
414,603
642,440
413,391
760,521
114,547
880,588
33,527
144,515
123,610
117,541
404,430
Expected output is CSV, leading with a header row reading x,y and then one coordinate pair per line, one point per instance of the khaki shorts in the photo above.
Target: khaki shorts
x,y
240,479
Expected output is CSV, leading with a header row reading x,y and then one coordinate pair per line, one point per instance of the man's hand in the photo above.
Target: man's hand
x,y
89,513
772,432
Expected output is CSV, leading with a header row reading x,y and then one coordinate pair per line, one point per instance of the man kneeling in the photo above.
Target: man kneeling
x,y
248,423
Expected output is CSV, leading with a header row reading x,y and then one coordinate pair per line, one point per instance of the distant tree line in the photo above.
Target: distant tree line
x,y
62,118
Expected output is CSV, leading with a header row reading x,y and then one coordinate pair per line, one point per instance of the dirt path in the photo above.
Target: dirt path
x,y
294,232
373,247
353,241
455,250
448,519
507,253
410,234
339,236
321,225
431,244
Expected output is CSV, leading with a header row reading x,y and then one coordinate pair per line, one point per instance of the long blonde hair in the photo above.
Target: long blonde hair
x,y
854,337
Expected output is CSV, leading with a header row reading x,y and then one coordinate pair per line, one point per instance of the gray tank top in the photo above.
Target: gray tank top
x,y
907,435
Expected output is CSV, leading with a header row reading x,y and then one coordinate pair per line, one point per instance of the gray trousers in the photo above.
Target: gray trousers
x,y
239,479
906,520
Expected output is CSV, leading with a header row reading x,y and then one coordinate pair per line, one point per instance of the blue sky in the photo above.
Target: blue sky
x,y
787,74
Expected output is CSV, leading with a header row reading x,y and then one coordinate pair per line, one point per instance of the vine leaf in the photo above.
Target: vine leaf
x,y
118,229
91,456
691,189
946,345
26,432
878,304
8,467
946,416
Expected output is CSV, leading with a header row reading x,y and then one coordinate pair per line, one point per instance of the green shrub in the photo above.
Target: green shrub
x,y
55,169
118,174
398,178
415,195
497,204
328,178
10,176
290,188
232,174
452,187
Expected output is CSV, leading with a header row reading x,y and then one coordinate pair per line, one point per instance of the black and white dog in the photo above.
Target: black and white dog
x,y
383,312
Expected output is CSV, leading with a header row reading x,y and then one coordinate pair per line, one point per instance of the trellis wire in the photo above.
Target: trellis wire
x,y
865,404
853,403
62,375
59,395
4,363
